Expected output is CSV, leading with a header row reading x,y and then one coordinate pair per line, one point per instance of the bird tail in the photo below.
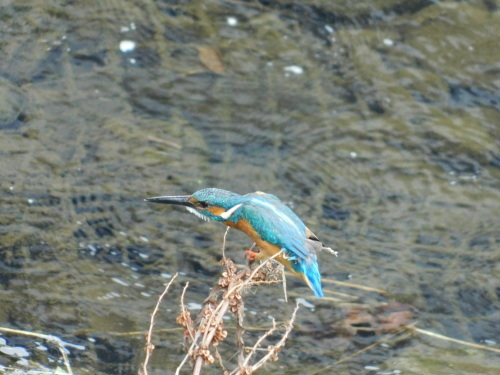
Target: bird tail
x,y
312,277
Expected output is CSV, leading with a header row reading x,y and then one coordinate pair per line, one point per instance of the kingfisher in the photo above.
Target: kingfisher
x,y
271,224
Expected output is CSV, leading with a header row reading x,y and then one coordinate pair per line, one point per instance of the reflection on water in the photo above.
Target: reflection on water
x,y
375,122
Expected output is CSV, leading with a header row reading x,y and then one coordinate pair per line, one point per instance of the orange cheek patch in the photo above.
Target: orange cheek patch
x,y
217,211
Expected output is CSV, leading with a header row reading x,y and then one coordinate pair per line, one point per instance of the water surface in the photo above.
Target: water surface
x,y
377,121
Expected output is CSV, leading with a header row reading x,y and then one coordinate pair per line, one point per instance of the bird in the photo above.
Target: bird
x,y
270,223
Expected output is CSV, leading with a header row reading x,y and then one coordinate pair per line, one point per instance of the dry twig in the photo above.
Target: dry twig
x,y
273,350
149,346
61,345
227,296
451,339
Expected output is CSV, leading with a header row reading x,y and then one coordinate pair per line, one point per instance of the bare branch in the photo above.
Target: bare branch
x,y
283,278
461,342
61,345
224,242
149,346
274,350
226,295
254,349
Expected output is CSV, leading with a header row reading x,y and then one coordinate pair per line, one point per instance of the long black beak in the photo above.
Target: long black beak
x,y
181,200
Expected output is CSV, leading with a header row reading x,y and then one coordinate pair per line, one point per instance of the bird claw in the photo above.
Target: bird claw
x,y
291,258
251,256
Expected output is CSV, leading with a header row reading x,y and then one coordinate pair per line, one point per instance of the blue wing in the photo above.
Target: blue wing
x,y
277,224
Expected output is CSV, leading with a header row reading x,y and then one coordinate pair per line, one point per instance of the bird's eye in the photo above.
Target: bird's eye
x,y
203,204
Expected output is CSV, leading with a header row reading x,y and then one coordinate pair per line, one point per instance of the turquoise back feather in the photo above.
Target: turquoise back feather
x,y
275,222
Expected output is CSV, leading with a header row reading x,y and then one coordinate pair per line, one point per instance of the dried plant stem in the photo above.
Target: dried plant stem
x,y
445,338
185,358
254,349
210,331
224,242
354,286
149,346
401,330
233,287
209,334
214,318
240,331
61,345
183,309
185,316
219,358
283,278
249,280
273,350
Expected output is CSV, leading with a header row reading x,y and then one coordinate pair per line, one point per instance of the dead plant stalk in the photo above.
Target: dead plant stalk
x,y
149,346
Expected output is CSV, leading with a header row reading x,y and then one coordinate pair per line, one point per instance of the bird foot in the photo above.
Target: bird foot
x,y
250,258
251,255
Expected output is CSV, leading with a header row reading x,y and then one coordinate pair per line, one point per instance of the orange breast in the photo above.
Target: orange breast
x,y
267,248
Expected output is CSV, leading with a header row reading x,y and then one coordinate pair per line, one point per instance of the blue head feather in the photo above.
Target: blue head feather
x,y
217,197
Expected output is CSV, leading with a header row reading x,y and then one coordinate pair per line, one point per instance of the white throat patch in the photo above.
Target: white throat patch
x,y
197,213
226,215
